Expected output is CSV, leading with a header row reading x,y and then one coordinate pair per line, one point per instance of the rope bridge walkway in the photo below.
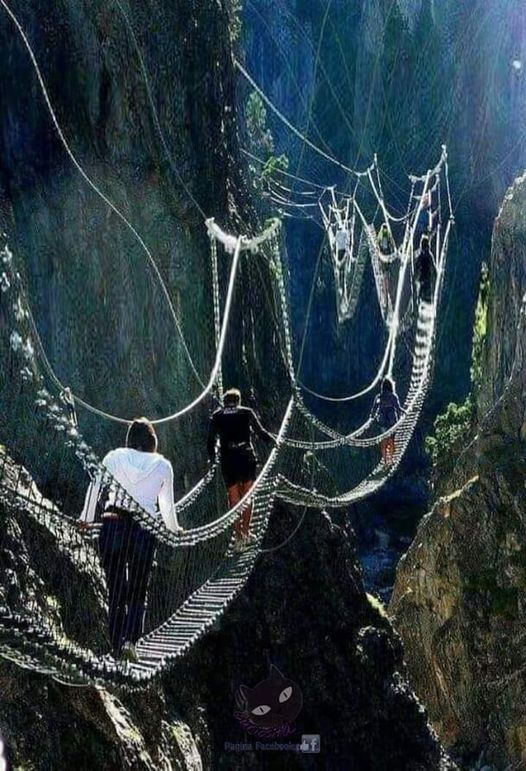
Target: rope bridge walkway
x,y
198,571
53,616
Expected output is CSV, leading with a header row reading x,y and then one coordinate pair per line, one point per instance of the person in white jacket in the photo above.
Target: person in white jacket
x,y
342,242
127,550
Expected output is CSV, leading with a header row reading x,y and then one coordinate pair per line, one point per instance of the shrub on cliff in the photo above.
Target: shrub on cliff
x,y
454,427
451,429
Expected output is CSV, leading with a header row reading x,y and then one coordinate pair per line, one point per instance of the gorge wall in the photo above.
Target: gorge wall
x,y
104,323
399,79
459,597
326,635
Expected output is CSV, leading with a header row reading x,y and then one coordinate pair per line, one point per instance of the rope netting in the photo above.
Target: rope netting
x,y
196,573
40,432
153,340
191,576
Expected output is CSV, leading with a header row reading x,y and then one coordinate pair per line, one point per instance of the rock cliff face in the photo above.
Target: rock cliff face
x,y
505,302
398,79
44,724
304,610
459,598
351,671
104,323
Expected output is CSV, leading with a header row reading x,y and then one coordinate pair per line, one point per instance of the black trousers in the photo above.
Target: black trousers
x,y
127,553
238,465
425,288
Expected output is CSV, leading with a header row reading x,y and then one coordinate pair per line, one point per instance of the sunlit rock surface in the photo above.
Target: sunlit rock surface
x,y
460,595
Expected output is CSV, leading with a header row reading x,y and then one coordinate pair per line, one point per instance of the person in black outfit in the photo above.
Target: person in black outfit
x,y
387,411
425,271
234,426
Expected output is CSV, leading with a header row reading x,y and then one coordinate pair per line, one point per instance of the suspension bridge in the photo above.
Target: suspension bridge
x,y
198,572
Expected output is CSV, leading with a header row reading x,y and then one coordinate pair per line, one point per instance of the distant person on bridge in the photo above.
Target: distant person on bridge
x,y
387,411
342,241
127,549
387,247
425,271
385,240
235,426
425,221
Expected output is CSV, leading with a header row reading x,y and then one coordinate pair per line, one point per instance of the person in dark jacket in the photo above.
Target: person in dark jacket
x,y
425,271
385,240
235,426
387,247
387,411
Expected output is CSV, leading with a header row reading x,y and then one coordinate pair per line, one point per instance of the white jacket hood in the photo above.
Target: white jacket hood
x,y
146,476
134,465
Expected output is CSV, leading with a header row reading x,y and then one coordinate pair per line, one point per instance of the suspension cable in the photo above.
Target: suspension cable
x,y
97,190
293,128
154,111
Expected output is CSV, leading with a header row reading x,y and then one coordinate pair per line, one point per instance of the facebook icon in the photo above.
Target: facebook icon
x,y
310,743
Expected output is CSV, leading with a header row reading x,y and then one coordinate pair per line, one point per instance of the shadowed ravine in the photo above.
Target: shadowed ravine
x,y
399,79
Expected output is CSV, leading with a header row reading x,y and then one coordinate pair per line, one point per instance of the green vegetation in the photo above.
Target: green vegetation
x,y
256,122
450,430
274,163
235,7
454,426
261,141
479,332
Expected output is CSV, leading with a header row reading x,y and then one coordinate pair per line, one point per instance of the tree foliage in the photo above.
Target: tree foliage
x,y
454,426
479,332
235,7
259,134
261,141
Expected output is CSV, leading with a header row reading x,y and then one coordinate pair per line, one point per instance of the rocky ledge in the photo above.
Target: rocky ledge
x,y
304,610
460,595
